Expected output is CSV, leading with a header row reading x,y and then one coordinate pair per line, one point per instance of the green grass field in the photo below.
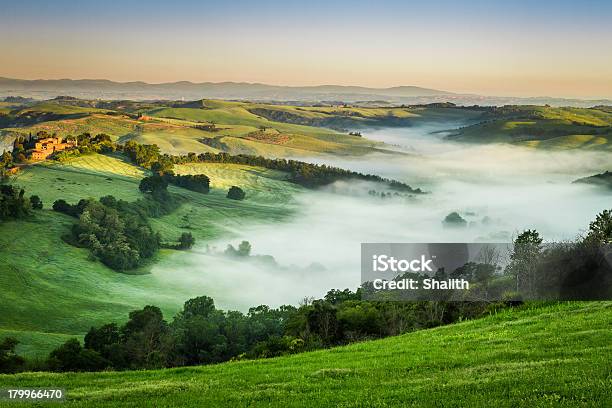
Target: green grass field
x,y
236,123
556,355
303,131
51,289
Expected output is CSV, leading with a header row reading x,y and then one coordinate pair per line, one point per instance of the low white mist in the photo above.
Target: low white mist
x,y
499,190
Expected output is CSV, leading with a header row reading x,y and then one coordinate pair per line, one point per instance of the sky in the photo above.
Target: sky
x,y
515,48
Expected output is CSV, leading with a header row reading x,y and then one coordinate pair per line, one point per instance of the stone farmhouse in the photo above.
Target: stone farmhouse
x,y
44,148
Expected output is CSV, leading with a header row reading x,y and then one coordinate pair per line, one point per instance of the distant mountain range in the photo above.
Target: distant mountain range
x,y
106,89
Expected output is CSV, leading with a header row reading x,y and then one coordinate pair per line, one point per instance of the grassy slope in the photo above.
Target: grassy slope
x,y
59,109
236,123
173,129
115,126
48,286
558,355
545,127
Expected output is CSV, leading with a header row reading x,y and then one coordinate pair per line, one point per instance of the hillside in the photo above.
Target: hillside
x,y
556,355
276,130
179,128
603,180
214,125
542,127
37,265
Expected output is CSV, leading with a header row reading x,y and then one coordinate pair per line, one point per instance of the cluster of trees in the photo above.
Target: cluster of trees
x,y
202,334
20,146
88,144
243,250
145,155
578,269
119,239
117,232
6,163
569,270
195,182
14,204
10,362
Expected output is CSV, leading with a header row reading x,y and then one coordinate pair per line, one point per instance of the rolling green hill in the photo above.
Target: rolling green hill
x,y
213,125
238,130
555,355
542,127
51,290
182,129
276,130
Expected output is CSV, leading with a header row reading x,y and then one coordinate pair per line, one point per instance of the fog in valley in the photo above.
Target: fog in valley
x,y
499,190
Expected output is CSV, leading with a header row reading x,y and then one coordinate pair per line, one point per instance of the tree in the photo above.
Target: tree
x,y
109,201
186,240
62,206
200,306
163,166
6,158
244,248
70,356
523,260
235,193
322,321
600,230
336,296
36,202
146,338
98,339
360,319
153,185
10,362
454,220
72,210
12,202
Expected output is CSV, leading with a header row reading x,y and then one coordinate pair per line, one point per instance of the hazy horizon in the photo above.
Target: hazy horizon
x,y
442,91
550,48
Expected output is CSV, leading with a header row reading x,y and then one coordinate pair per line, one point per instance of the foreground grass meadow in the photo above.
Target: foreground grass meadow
x,y
554,355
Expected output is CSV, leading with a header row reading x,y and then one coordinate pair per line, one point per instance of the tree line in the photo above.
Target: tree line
x,y
202,334
308,175
578,269
149,156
